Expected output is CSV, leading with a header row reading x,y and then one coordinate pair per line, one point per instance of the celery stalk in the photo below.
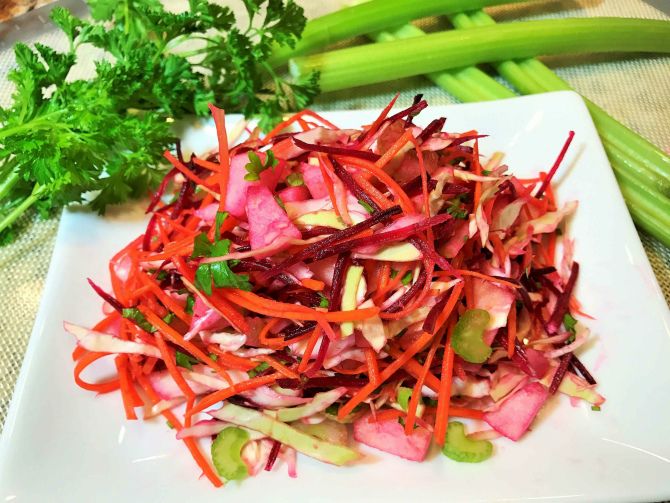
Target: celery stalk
x,y
531,76
369,17
375,63
458,81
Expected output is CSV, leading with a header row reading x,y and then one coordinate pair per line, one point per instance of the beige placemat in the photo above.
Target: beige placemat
x,y
634,90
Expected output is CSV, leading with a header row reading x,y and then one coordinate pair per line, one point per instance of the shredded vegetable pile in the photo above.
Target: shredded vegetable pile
x,y
297,283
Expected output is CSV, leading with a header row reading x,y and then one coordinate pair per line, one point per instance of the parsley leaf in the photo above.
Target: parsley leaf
x,y
258,369
219,272
407,278
184,360
456,210
255,166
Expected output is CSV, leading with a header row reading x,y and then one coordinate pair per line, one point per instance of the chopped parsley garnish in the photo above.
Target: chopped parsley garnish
x,y
255,166
294,180
258,369
184,360
219,272
367,207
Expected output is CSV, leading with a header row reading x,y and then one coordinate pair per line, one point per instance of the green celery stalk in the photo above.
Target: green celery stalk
x,y
370,17
458,81
373,63
531,76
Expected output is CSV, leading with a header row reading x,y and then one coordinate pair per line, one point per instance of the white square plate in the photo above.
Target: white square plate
x,y
62,444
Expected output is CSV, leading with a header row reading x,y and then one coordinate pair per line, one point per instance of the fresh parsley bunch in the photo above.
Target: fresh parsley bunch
x,y
104,137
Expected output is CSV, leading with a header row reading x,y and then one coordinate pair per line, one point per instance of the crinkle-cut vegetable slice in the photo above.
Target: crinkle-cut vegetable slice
x,y
467,339
268,222
226,453
459,447
311,446
515,415
389,436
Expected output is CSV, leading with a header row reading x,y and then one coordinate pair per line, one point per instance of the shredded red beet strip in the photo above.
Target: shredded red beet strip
x,y
562,302
375,219
579,366
329,149
431,318
106,297
455,189
320,357
459,141
185,193
554,168
560,373
410,116
273,455
318,230
330,382
414,109
409,294
337,283
430,253
293,332
149,233
381,238
351,184
435,126
156,197
414,187
521,359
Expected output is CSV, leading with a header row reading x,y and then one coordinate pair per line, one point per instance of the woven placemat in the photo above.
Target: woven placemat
x,y
634,90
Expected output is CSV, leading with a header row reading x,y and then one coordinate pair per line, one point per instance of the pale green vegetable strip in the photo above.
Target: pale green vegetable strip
x,y
282,432
319,403
370,17
373,63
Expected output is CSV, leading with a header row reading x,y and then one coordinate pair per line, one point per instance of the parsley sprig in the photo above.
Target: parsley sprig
x,y
219,272
104,137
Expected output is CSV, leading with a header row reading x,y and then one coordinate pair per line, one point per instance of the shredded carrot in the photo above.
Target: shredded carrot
x,y
386,415
394,149
102,387
498,247
371,191
185,171
444,395
169,360
166,300
378,121
365,391
372,366
128,393
224,160
176,338
414,400
230,360
328,172
277,365
313,284
309,349
223,394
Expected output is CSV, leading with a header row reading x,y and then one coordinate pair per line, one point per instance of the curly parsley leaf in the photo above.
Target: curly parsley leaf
x,y
217,273
255,166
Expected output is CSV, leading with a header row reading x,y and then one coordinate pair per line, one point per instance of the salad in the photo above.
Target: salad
x,y
315,284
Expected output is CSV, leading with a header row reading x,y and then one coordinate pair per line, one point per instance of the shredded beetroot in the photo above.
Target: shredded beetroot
x,y
579,367
411,292
297,331
149,232
105,296
380,217
320,357
380,239
411,115
414,187
351,184
560,373
156,197
187,190
563,300
318,230
350,152
273,455
412,110
343,261
554,168
331,382
435,126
